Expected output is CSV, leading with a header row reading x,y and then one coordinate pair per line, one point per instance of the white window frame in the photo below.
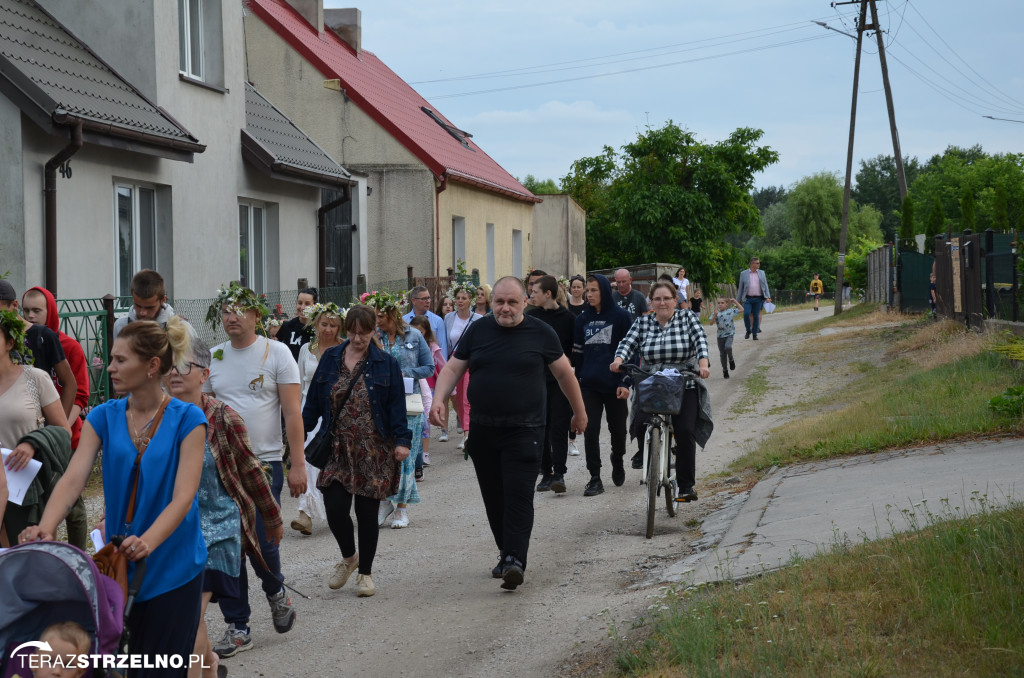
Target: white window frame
x,y
138,261
190,35
255,277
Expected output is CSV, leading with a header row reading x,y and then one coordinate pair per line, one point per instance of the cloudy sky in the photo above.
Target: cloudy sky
x,y
540,84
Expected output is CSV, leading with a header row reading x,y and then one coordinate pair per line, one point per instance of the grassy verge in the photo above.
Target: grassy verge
x,y
941,599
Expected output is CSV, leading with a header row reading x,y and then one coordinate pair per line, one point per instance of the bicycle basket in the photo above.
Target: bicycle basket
x,y
661,394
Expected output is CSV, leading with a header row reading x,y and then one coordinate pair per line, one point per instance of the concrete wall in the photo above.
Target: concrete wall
x,y
12,195
560,236
198,219
480,208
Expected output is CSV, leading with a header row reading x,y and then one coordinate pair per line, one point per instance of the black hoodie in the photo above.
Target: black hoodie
x,y
596,337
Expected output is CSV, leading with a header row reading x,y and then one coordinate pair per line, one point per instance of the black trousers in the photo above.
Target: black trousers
x,y
507,461
337,504
617,411
166,624
555,450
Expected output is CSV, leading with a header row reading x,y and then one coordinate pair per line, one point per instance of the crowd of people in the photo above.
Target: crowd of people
x,y
194,448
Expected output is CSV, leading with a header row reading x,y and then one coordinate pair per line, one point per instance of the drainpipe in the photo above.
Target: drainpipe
x,y
321,230
437,223
50,204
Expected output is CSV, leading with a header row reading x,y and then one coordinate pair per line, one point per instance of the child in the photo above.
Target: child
x,y
816,290
696,300
726,331
421,323
66,640
932,298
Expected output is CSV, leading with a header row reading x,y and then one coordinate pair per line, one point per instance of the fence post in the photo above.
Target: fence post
x,y
1015,276
451,272
476,276
108,337
990,273
360,284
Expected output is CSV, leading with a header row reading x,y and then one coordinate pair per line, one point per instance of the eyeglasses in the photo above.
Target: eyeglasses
x,y
187,369
426,298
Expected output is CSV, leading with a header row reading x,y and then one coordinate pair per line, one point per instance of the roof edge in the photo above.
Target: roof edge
x,y
260,157
462,178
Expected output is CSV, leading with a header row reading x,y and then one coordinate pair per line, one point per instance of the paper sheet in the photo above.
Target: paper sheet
x,y
769,307
409,381
18,482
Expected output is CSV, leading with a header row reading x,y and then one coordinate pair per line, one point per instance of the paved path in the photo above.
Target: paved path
x,y
802,509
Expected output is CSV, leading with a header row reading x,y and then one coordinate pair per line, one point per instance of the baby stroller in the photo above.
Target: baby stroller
x,y
42,583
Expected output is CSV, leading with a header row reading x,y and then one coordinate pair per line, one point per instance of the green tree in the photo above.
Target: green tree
x,y
967,210
855,270
791,266
933,226
670,197
766,197
876,184
777,230
865,222
815,206
1001,209
539,187
907,243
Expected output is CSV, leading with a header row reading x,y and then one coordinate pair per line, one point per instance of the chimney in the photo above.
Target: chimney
x,y
347,23
311,10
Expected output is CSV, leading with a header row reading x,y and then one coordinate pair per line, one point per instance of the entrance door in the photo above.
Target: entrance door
x,y
339,241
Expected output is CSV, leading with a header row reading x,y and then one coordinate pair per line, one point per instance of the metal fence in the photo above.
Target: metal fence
x,y
978,276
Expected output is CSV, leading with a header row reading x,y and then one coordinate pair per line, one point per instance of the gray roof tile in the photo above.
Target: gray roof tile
x,y
280,137
68,76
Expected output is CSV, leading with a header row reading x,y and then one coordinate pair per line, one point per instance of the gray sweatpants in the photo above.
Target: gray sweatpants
x,y
725,349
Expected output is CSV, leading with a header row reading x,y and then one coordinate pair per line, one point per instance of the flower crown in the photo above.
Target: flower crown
x,y
382,300
330,308
462,283
15,329
564,282
238,298
272,322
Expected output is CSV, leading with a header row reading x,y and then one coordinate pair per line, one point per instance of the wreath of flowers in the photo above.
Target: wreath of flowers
x,y
272,322
382,300
564,282
314,312
237,298
15,329
463,283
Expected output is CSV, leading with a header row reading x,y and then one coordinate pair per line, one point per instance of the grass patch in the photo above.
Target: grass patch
x,y
943,598
756,385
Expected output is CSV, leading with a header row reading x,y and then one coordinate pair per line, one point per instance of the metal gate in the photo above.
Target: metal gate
x,y
913,272
958,278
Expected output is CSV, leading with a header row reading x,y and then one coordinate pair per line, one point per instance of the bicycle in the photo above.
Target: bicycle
x,y
658,471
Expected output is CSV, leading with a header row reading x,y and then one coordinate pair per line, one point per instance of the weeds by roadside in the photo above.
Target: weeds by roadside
x,y
940,599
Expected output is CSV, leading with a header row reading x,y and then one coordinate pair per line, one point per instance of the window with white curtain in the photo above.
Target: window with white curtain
x,y
252,246
190,38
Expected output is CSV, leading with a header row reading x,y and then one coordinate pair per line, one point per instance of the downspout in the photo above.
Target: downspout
x,y
50,204
321,230
437,223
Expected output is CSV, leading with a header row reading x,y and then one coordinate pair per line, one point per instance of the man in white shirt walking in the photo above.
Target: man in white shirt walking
x,y
752,293
259,379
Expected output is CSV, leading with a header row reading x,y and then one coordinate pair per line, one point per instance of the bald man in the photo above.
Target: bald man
x,y
507,353
626,297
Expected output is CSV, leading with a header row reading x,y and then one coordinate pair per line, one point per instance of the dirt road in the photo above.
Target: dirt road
x,y
438,612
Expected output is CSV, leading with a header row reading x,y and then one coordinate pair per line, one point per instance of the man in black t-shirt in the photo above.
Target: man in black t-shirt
x,y
507,353
298,331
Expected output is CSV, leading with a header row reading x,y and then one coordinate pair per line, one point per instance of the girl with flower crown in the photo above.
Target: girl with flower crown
x,y
326,321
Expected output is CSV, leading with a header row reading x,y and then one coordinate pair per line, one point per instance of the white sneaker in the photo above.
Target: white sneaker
x,y
385,510
426,458
573,450
462,443
444,436
400,520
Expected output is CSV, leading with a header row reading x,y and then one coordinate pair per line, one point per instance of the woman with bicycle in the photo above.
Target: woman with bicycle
x,y
672,337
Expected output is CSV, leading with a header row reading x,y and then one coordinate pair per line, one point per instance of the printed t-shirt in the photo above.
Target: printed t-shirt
x,y
726,326
294,334
247,379
506,365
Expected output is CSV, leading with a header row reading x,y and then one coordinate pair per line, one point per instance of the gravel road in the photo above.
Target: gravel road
x,y
438,612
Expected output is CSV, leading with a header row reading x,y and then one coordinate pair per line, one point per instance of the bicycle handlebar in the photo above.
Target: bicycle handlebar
x,y
636,370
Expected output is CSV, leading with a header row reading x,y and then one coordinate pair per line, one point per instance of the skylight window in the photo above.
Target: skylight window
x,y
459,135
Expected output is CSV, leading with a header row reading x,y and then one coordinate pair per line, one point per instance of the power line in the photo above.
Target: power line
x,y
540,68
933,85
630,70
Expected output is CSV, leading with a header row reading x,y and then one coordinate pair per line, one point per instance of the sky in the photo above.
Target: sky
x,y
541,84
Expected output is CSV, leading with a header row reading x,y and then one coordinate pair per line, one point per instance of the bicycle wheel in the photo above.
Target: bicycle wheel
x,y
671,487
653,476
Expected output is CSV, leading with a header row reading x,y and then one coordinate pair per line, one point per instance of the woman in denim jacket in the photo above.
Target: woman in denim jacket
x,y
412,352
371,440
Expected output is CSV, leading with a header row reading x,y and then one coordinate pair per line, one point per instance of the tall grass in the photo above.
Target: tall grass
x,y
945,598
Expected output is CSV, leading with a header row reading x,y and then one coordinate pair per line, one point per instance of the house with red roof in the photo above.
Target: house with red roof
x,y
433,195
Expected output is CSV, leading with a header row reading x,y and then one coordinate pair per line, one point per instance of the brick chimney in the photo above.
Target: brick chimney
x,y
347,23
311,10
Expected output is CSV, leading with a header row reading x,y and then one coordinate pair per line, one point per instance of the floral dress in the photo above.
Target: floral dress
x,y
407,492
362,461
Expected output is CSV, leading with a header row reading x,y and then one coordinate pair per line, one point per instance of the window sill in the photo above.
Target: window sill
x,y
199,83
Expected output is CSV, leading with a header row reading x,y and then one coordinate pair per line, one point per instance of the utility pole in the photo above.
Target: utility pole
x,y
901,178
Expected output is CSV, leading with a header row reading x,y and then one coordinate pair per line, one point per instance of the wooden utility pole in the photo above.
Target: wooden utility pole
x,y
845,223
901,178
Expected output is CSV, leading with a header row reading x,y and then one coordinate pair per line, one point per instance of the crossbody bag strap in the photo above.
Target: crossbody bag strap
x,y
351,385
154,427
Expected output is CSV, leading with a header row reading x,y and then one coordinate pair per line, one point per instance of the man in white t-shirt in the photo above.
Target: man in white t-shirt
x,y
258,378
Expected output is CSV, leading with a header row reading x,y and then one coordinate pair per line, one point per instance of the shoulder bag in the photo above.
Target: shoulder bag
x,y
319,450
109,560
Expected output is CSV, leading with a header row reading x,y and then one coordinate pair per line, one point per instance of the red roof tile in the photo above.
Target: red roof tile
x,y
389,100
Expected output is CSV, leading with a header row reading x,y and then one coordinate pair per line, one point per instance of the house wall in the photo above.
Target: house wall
x,y
12,196
480,208
198,219
560,236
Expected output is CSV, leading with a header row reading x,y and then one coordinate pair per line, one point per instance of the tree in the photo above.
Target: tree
x,y
877,185
815,206
538,187
1001,210
766,197
907,243
670,197
777,229
933,226
865,222
791,266
967,221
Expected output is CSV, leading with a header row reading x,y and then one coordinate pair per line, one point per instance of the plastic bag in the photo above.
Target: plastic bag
x,y
661,393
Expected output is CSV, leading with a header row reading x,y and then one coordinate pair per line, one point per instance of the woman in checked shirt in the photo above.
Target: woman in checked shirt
x,y
674,337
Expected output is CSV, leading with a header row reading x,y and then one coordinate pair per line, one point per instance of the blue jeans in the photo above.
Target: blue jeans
x,y
752,314
236,610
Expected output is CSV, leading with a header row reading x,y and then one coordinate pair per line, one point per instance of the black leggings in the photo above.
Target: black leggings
x,y
338,502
